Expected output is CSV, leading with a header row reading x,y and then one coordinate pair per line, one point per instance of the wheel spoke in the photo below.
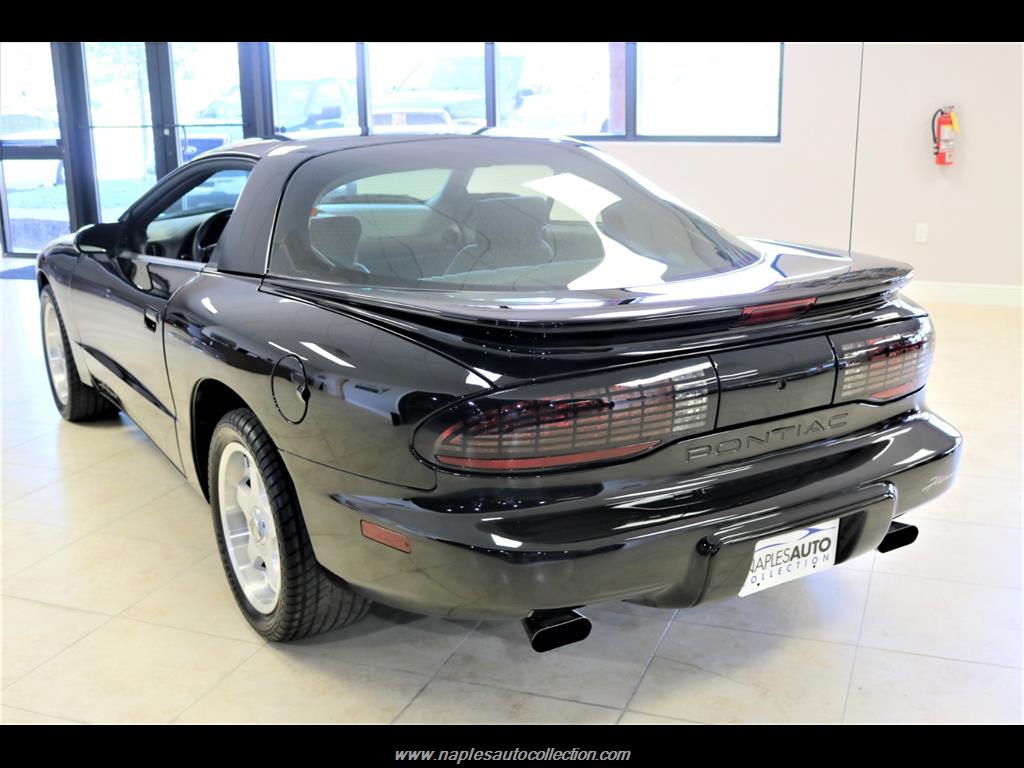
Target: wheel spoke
x,y
53,340
249,528
246,498
252,551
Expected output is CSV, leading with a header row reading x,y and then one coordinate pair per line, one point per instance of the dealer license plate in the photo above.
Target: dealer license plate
x,y
790,555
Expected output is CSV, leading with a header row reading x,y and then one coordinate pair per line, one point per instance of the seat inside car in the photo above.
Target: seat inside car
x,y
507,230
336,238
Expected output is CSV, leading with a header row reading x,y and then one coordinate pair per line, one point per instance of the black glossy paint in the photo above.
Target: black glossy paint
x,y
342,379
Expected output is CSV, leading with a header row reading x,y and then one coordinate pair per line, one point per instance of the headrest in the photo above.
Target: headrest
x,y
336,238
504,215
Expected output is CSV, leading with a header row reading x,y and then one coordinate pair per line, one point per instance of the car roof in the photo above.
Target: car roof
x,y
260,148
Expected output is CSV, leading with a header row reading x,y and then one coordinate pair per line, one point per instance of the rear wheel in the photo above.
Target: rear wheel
x,y
75,400
264,546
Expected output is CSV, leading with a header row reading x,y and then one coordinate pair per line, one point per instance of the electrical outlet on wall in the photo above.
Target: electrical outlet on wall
x,y
921,232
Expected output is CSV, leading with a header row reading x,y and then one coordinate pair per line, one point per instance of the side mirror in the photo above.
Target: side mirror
x,y
330,113
98,238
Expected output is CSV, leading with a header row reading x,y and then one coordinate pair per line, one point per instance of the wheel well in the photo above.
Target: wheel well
x,y
211,401
41,280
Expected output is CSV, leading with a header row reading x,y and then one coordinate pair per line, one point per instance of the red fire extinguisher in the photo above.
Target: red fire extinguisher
x,y
944,126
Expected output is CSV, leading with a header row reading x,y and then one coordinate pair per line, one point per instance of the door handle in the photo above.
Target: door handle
x,y
152,315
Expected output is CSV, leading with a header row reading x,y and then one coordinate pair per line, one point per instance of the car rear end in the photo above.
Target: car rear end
x,y
661,412
670,483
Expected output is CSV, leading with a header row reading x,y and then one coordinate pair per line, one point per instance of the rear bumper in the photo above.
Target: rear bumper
x,y
671,541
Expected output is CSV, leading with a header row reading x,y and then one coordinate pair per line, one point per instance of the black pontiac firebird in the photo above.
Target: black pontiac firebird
x,y
493,377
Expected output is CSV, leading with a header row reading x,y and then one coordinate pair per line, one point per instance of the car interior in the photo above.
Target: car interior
x,y
188,227
505,236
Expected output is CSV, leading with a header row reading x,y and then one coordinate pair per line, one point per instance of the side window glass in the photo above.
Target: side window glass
x,y
219,191
170,232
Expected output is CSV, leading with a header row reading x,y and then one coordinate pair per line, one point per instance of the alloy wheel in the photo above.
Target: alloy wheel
x,y
250,534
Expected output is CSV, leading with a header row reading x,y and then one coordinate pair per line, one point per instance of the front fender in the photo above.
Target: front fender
x,y
55,266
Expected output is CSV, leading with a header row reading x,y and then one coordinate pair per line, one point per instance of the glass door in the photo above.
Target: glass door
x,y
33,193
207,97
121,122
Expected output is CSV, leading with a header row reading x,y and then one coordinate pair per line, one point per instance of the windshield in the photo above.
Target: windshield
x,y
489,214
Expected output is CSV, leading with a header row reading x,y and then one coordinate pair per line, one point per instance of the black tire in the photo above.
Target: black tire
x,y
83,403
311,600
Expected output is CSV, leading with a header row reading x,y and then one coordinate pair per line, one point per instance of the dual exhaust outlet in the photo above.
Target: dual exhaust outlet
x,y
548,630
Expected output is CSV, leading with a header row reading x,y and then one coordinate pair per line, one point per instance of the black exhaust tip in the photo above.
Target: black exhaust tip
x,y
899,535
547,630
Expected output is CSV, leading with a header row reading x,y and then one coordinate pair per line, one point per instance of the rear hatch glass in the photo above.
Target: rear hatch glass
x,y
490,214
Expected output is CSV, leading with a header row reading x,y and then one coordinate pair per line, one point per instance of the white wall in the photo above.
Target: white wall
x,y
972,208
801,189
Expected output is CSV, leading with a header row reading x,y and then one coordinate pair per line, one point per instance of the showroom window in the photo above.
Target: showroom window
x,y
427,87
537,91
35,208
121,122
728,90
207,96
314,88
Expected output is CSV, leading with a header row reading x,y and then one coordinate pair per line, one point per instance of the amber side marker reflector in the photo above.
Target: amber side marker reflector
x,y
780,310
384,536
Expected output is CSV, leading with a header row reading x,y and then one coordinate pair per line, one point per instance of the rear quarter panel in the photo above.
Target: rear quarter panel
x,y
368,387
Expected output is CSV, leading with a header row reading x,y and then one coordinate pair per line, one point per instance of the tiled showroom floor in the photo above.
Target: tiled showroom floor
x,y
115,608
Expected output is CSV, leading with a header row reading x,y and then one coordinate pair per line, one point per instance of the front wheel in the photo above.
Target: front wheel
x,y
264,546
75,400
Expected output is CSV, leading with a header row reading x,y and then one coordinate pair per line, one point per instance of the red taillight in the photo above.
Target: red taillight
x,y
547,462
884,363
779,310
530,429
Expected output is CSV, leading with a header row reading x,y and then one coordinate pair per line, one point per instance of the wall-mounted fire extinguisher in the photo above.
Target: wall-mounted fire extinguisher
x,y
944,126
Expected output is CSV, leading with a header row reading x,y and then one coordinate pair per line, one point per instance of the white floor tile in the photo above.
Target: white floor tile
x,y
102,573
34,633
715,675
281,685
603,669
444,702
128,672
954,620
978,554
890,687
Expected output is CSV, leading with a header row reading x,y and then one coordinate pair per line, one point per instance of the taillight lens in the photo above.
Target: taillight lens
x,y
883,363
606,418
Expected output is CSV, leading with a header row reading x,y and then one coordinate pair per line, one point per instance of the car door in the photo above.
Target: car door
x,y
120,295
